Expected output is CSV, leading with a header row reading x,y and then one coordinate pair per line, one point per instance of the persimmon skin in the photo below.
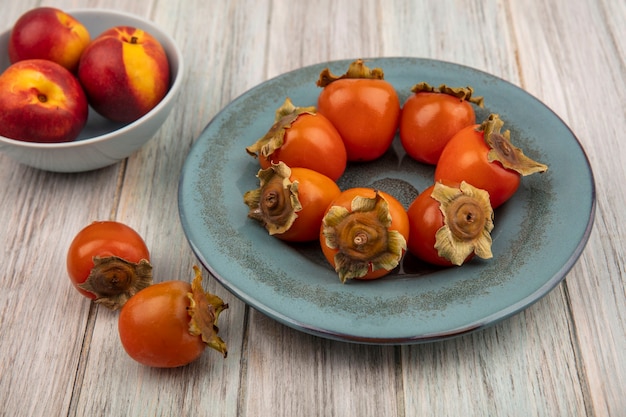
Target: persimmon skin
x,y
315,192
154,326
425,218
399,222
465,159
311,142
102,239
429,120
366,113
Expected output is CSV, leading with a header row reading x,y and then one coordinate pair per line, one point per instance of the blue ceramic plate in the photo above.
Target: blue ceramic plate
x,y
539,234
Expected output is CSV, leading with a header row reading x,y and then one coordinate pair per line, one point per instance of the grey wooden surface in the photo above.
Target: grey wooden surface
x,y
563,356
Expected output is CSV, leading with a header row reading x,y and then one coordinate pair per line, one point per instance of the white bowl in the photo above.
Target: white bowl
x,y
101,142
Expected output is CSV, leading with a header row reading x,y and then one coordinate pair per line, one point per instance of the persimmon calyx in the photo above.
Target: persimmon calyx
x,y
462,93
114,280
275,203
468,222
204,310
503,151
357,69
286,114
362,237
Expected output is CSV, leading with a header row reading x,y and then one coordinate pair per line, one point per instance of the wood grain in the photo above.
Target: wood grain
x,y
578,59
563,356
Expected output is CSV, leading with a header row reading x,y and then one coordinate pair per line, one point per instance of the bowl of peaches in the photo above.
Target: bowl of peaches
x,y
83,89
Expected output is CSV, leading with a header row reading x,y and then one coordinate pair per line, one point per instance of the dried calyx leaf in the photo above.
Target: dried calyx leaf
x,y
503,151
357,69
362,237
275,203
462,93
204,310
114,280
274,138
468,222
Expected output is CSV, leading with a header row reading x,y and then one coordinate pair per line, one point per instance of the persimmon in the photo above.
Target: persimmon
x,y
364,233
302,138
449,224
108,262
364,108
290,202
169,324
431,116
486,158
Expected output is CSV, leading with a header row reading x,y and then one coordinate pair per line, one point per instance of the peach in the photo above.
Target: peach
x,y
125,73
48,33
41,101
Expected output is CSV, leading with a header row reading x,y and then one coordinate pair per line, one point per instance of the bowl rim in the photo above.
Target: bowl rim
x,y
174,87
